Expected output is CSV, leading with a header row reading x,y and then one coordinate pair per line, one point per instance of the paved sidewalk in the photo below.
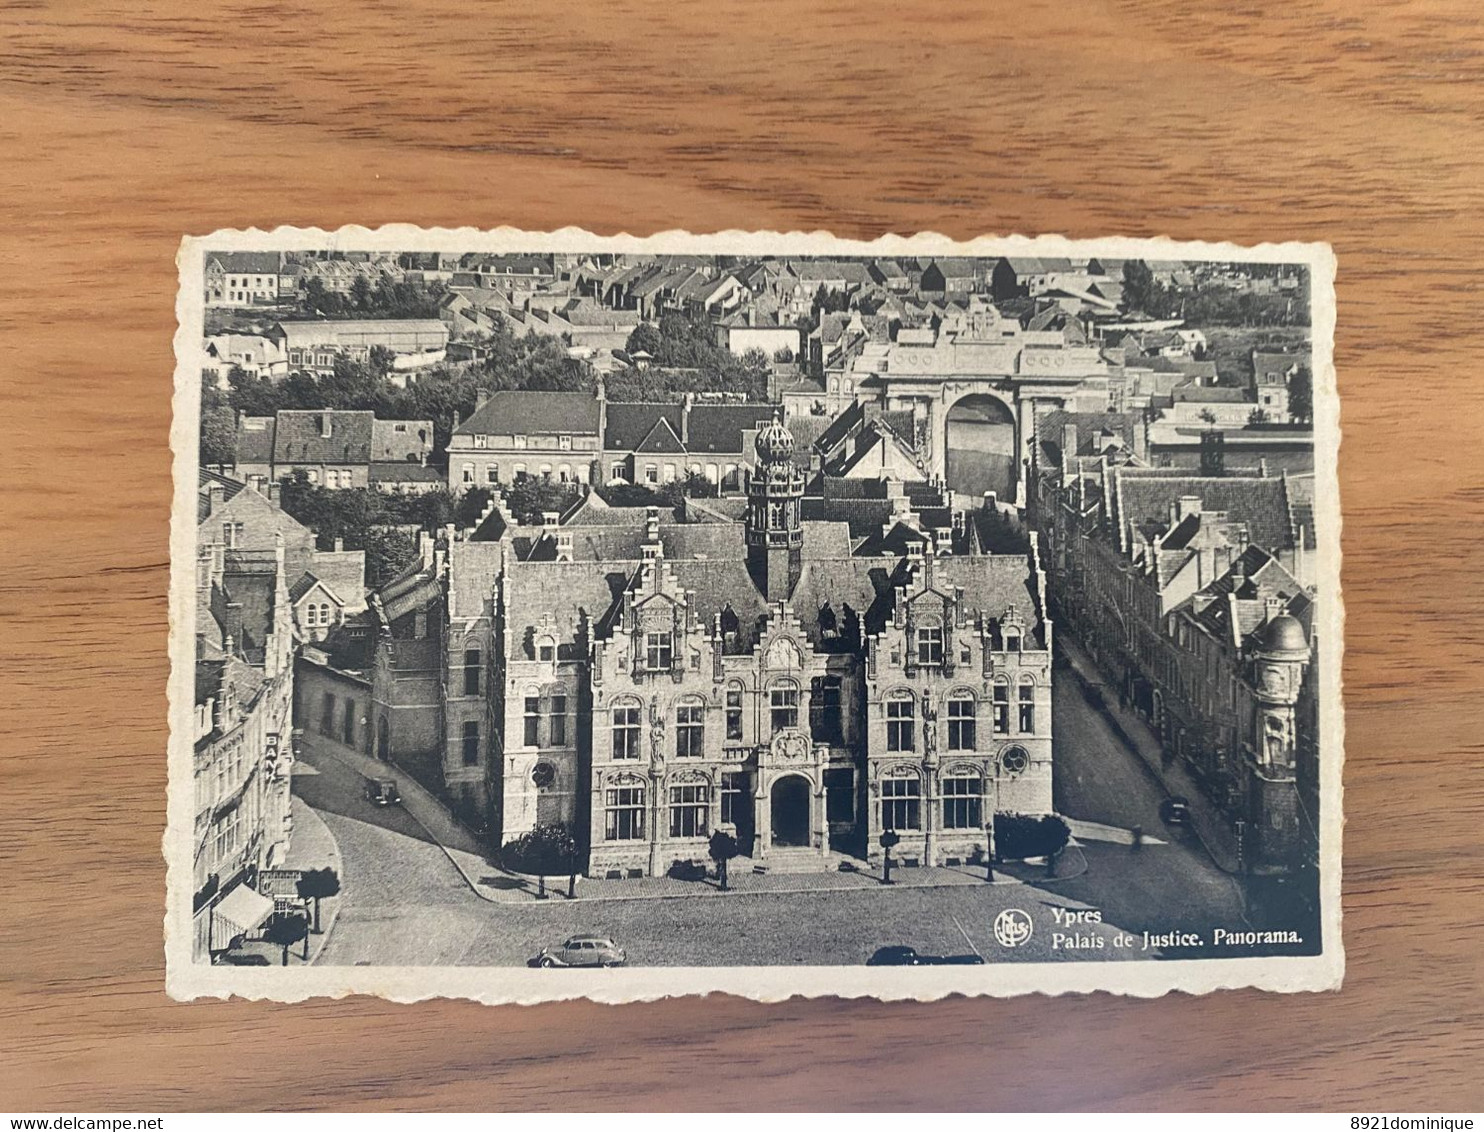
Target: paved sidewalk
x,y
1209,823
312,846
500,886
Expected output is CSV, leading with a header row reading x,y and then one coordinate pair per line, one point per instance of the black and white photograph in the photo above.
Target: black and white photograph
x,y
769,614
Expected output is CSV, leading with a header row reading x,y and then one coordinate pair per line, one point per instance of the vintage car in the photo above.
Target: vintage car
x,y
383,792
583,951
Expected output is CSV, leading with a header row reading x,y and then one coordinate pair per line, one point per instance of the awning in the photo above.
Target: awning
x,y
240,911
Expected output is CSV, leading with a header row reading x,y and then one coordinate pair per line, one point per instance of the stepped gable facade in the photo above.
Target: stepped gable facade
x,y
651,685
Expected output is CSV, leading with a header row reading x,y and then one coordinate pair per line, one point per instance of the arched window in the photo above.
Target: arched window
x,y
626,715
533,721
961,721
963,794
734,711
1001,706
690,728
1027,702
623,809
901,727
901,799
1012,638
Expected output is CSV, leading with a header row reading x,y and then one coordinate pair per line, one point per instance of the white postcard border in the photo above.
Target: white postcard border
x,y
186,979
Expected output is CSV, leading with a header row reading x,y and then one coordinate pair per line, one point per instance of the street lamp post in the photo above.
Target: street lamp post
x,y
989,851
889,839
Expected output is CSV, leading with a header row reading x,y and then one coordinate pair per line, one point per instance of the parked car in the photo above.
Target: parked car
x,y
583,951
900,956
383,792
1175,810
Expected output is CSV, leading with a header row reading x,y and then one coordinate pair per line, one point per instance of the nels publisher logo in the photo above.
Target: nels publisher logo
x,y
1012,927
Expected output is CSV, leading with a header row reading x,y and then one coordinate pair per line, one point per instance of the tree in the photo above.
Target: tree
x,y
218,437
1208,416
286,929
723,848
317,884
1259,415
531,497
1138,285
389,552
1301,395
645,337
548,848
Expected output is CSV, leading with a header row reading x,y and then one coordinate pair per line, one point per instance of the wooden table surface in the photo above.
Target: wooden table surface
x,y
125,125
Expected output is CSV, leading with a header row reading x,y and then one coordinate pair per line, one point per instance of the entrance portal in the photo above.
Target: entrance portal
x,y
981,454
791,811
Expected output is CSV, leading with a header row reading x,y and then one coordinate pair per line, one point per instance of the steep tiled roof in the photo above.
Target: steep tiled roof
x,y
249,263
721,428
1144,502
661,439
570,592
629,423
314,436
528,411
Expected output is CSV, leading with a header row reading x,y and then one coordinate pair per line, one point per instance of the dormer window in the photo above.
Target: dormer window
x,y
1012,639
546,650
930,645
657,651
828,625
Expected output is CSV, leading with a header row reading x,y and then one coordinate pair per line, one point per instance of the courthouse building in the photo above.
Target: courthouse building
x,y
800,686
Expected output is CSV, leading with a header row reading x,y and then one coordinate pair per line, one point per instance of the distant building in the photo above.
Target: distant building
x,y
242,279
1272,374
584,438
335,448
314,347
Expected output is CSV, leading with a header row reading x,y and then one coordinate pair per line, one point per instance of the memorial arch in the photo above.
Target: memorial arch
x,y
981,451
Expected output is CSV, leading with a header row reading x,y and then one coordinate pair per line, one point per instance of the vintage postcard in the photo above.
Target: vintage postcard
x,y
559,616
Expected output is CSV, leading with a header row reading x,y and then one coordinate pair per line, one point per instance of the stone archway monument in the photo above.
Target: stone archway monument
x,y
981,452
979,400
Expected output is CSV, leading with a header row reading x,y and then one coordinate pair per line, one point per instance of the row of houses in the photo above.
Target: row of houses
x,y
336,448
1195,591
262,588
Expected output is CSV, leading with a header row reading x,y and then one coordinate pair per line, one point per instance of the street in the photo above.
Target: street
x,y
404,904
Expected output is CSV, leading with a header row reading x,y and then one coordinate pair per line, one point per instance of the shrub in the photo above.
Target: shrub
x,y
1017,836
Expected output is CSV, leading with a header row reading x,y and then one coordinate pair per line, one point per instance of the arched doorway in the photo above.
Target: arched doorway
x,y
790,811
981,453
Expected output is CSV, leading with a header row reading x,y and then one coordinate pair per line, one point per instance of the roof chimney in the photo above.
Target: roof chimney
x,y
233,627
326,426
564,546
1187,505
216,495
1068,440
549,520
652,524
480,398
274,489
686,405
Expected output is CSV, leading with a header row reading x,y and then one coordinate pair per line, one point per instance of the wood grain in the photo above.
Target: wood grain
x,y
123,126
